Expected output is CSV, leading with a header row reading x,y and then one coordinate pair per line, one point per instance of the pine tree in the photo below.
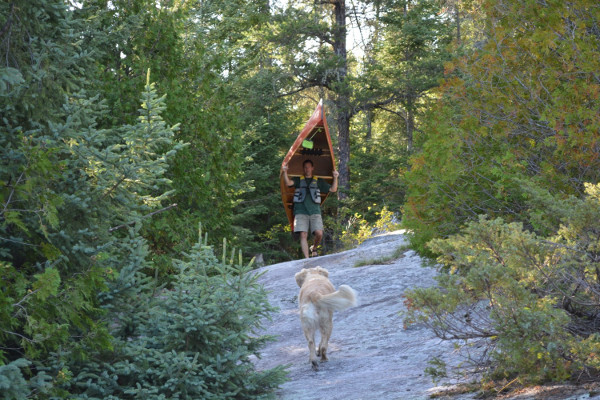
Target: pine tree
x,y
67,184
178,42
411,55
192,340
49,290
528,301
404,65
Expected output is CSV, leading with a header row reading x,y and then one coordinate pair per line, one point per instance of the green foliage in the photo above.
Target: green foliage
x,y
413,50
405,62
14,385
520,109
379,162
178,42
357,229
259,219
532,300
49,285
65,182
436,370
191,340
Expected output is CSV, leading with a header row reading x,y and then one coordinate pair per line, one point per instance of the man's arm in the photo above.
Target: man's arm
x,y
334,186
286,178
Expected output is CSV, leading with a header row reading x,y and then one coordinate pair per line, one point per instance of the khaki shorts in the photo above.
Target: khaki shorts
x,y
303,222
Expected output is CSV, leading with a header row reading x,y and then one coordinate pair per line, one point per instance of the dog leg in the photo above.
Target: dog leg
x,y
326,327
310,338
312,357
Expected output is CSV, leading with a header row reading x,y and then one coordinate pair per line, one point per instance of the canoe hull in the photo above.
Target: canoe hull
x,y
321,154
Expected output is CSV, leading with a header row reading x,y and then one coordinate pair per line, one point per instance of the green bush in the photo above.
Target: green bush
x,y
191,340
357,229
533,301
509,110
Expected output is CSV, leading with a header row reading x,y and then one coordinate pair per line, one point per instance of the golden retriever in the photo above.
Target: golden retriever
x,y
318,300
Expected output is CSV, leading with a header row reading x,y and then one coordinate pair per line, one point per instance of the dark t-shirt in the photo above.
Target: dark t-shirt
x,y
308,206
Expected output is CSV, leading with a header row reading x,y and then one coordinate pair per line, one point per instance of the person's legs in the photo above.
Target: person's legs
x,y
318,236
316,226
301,226
304,243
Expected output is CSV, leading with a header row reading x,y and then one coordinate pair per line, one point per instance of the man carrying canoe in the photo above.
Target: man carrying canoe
x,y
307,204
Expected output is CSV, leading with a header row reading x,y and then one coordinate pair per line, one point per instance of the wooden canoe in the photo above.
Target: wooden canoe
x,y
321,154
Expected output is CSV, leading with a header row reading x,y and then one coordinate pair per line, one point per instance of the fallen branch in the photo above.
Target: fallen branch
x,y
145,216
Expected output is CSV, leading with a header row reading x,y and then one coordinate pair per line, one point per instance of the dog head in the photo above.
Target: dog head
x,y
301,276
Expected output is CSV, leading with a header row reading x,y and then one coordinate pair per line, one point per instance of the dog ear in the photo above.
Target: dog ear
x,y
300,276
322,271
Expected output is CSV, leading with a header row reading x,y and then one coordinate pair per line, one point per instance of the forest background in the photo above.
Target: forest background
x,y
127,124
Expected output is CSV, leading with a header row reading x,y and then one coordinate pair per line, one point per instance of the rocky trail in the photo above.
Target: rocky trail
x,y
371,355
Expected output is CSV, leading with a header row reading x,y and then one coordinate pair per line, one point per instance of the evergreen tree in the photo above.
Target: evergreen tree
x,y
528,301
412,54
49,280
189,63
192,340
508,174
66,182
403,65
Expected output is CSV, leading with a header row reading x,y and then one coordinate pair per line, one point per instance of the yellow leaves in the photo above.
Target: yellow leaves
x,y
64,375
418,161
593,191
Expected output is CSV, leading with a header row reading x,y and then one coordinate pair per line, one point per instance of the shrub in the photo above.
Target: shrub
x,y
532,301
357,229
191,340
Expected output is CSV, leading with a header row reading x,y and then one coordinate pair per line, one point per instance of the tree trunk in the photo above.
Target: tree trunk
x,y
369,134
410,127
343,126
457,19
410,115
342,101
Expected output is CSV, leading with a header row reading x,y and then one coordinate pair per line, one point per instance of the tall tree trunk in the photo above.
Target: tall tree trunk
x,y
410,115
369,133
410,126
343,126
457,19
342,101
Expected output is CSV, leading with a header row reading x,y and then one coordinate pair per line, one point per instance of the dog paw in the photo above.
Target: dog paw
x,y
315,365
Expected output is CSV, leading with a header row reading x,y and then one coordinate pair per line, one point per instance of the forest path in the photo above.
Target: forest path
x,y
371,355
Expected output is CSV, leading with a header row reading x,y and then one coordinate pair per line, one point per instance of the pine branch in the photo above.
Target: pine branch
x,y
112,189
8,21
145,216
12,192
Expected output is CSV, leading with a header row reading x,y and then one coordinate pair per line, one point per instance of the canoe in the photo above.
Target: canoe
x,y
313,143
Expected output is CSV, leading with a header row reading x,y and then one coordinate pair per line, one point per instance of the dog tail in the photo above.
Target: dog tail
x,y
345,297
